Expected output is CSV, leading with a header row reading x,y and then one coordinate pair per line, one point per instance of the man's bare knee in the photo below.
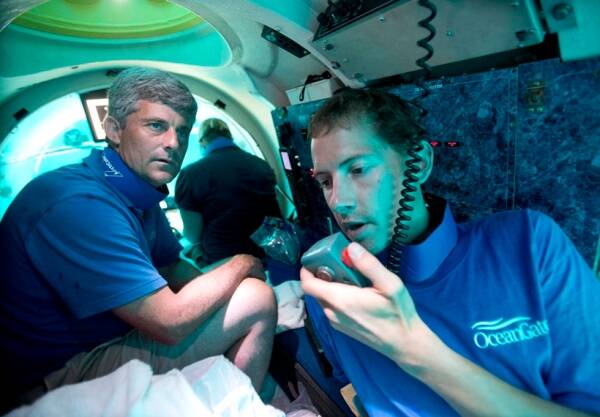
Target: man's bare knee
x,y
257,296
254,301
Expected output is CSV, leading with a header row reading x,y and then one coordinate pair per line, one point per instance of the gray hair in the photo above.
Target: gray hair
x,y
155,86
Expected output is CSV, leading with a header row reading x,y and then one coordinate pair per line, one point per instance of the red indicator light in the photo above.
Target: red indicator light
x,y
434,143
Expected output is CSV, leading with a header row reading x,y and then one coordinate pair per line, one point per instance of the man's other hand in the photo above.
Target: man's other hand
x,y
252,265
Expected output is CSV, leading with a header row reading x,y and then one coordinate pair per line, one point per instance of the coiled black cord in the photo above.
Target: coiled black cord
x,y
414,160
402,217
422,62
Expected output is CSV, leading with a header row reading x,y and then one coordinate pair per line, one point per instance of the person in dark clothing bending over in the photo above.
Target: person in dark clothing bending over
x,y
225,196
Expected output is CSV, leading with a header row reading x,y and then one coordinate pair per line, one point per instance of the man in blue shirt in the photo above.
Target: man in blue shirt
x,y
224,197
495,317
91,271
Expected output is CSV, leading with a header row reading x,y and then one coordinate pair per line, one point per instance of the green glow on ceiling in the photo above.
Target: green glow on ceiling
x,y
109,19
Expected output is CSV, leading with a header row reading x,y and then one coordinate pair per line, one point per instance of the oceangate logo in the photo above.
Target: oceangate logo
x,y
491,334
112,171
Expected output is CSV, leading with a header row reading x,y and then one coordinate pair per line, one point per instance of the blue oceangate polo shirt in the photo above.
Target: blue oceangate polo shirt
x,y
509,293
76,243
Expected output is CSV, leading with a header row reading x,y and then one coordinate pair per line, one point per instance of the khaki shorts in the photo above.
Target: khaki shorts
x,y
109,356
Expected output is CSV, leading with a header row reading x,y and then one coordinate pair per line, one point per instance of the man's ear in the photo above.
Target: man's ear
x,y
113,131
426,164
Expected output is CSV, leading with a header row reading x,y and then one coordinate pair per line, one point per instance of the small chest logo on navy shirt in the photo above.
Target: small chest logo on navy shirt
x,y
500,332
111,171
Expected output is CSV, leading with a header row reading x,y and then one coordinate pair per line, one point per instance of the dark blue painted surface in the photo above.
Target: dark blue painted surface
x,y
477,112
558,148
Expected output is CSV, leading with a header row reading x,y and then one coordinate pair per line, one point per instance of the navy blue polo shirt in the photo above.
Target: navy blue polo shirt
x,y
233,191
76,243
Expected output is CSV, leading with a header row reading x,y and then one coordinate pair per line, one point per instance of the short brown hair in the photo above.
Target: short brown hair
x,y
214,128
393,119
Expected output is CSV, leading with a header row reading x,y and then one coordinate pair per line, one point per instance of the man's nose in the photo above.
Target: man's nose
x,y
342,198
170,139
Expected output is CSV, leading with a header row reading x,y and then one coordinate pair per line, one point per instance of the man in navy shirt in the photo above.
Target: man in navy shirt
x,y
224,197
497,317
92,276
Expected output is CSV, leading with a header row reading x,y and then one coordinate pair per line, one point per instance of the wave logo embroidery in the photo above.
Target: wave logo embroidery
x,y
491,334
112,171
